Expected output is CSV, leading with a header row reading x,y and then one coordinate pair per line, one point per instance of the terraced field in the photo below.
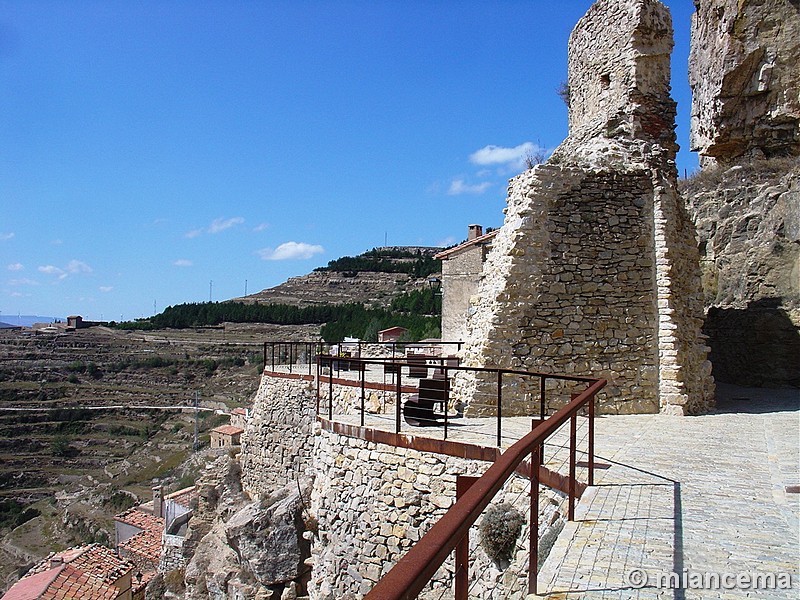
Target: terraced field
x,y
80,435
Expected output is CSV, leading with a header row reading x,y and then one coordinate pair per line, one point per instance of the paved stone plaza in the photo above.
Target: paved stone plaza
x,y
689,495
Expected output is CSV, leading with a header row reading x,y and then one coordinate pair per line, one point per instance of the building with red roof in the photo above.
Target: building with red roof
x,y
91,572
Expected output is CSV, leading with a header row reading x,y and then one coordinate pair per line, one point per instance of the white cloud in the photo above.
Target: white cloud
x,y
6,236
222,224
106,288
458,187
261,227
56,242
52,270
182,262
24,281
497,155
76,266
446,242
291,251
217,226
16,267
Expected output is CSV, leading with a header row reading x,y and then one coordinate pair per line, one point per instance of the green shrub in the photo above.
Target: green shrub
x,y
499,530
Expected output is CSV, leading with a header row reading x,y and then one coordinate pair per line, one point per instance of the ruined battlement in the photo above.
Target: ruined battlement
x,y
619,75
596,270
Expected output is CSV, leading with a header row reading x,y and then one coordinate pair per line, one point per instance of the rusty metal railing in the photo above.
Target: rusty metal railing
x,y
300,356
446,368
414,570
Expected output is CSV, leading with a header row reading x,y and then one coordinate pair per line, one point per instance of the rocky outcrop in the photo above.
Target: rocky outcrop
x,y
746,200
748,221
744,74
242,548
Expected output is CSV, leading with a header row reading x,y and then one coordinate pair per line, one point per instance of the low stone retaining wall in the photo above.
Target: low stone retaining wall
x,y
374,501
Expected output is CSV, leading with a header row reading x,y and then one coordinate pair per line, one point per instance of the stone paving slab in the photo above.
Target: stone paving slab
x,y
690,496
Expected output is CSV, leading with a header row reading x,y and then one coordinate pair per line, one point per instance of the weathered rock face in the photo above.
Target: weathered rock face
x,y
595,270
239,548
744,74
748,221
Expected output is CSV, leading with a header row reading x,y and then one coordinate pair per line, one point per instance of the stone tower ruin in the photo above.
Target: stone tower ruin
x,y
595,269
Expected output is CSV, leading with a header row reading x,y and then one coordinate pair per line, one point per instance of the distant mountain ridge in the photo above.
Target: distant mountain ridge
x,y
25,320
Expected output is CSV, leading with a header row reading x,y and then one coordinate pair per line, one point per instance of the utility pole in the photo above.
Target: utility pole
x,y
210,289
245,287
196,419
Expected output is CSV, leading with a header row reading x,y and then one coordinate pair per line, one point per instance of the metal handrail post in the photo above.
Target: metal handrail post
x,y
330,391
463,483
573,442
397,402
591,441
499,407
446,399
533,541
361,367
542,392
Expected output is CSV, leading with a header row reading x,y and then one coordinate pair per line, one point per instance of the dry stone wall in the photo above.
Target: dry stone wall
x,y
373,501
596,269
745,79
277,442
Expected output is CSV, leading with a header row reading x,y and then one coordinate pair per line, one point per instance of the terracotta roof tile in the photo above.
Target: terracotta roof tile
x,y
228,430
32,585
73,584
146,544
483,239
86,573
141,519
102,562
183,497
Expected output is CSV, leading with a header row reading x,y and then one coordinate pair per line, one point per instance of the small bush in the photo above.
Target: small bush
x,y
76,367
499,530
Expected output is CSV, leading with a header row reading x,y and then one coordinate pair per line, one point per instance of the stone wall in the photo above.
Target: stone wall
x,y
460,274
171,553
277,443
595,271
745,80
374,501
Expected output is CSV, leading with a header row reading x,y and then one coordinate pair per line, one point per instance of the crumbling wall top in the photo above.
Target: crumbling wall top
x,y
619,72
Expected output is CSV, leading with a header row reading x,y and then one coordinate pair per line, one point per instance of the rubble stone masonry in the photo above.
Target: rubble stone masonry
x,y
596,269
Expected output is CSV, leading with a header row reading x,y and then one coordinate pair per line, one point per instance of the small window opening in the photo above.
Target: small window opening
x,y
605,81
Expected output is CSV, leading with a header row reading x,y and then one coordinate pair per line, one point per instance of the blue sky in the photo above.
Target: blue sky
x,y
148,149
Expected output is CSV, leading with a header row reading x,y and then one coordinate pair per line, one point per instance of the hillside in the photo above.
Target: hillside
x,y
78,442
373,278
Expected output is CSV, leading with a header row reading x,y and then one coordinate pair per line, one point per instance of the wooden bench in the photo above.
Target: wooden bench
x,y
420,409
417,365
